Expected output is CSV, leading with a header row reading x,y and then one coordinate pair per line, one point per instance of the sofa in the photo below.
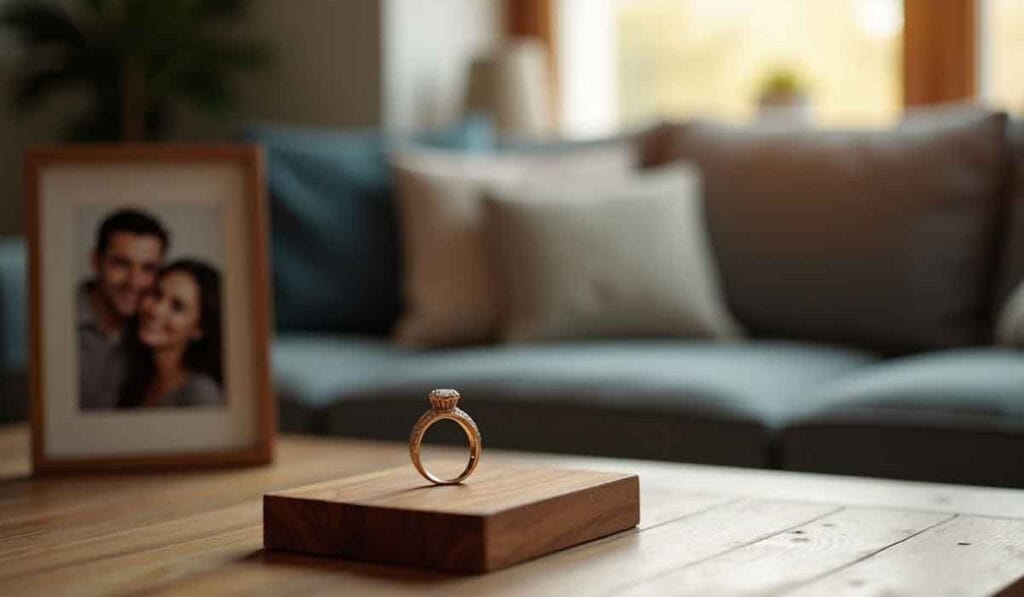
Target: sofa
x,y
897,395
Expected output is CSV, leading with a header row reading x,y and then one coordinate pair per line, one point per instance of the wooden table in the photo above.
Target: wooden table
x,y
704,530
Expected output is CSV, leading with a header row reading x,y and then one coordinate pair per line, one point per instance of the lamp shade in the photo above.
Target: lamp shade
x,y
510,85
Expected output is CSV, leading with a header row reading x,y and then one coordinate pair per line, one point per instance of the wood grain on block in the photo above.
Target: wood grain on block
x,y
502,515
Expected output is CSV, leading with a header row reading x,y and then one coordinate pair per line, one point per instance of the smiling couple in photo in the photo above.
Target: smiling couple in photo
x,y
149,332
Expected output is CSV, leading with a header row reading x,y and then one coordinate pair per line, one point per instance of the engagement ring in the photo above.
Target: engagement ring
x,y
443,405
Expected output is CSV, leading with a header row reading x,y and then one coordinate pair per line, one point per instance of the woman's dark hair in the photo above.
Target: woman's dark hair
x,y
201,356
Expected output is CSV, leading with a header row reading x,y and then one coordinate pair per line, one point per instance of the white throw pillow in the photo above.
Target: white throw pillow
x,y
447,286
622,259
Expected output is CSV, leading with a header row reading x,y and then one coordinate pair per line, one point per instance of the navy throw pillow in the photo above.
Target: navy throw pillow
x,y
334,237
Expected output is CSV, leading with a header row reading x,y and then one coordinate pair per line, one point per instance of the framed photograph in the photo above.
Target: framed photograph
x,y
149,301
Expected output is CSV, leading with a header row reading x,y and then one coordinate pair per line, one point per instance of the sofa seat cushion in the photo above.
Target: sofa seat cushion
x,y
672,400
953,416
13,305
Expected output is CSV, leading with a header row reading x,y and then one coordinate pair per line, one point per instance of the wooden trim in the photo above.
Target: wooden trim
x,y
537,19
250,158
35,376
940,46
940,53
262,308
530,18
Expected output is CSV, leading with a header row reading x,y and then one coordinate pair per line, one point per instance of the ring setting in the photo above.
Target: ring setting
x,y
444,406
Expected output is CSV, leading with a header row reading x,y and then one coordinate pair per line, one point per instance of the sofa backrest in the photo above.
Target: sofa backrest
x,y
879,239
1010,272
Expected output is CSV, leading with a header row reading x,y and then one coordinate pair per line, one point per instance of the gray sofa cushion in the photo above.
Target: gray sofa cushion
x,y
951,416
673,400
879,239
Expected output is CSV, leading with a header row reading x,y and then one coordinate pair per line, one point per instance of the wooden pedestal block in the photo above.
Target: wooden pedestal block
x,y
500,516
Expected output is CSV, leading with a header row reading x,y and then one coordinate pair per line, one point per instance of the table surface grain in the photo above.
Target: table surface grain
x,y
703,531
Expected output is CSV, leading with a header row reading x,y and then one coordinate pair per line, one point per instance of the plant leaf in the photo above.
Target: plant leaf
x,y
219,9
207,91
98,7
34,86
39,23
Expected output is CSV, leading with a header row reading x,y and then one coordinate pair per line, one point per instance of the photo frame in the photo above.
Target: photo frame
x,y
149,307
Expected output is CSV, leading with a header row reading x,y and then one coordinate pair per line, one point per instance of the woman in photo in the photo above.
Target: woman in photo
x,y
176,344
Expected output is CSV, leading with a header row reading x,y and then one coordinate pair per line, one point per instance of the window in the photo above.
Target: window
x,y
1002,53
626,62
620,63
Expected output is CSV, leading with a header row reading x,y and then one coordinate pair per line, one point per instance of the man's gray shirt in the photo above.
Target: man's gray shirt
x,y
102,359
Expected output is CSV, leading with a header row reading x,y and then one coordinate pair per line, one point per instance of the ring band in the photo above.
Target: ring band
x,y
443,406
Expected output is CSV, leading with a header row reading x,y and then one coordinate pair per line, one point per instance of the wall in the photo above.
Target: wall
x,y
428,46
396,63
326,72
18,131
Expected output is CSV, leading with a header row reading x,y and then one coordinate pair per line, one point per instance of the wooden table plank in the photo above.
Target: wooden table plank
x,y
193,531
78,507
139,571
96,557
789,559
142,556
659,505
335,458
44,559
597,568
813,487
279,573
969,555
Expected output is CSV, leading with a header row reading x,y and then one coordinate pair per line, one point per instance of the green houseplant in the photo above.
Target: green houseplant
x,y
784,97
782,86
133,59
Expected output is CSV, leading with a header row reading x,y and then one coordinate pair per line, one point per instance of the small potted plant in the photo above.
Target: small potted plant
x,y
784,98
133,59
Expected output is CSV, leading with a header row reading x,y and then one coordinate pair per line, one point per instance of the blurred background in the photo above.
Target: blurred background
x,y
852,207
609,65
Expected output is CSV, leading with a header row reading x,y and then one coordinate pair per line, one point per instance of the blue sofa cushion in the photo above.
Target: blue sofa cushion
x,y
955,416
334,240
674,400
13,331
13,305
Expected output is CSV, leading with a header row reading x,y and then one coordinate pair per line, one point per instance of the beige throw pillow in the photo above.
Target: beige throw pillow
x,y
622,259
447,285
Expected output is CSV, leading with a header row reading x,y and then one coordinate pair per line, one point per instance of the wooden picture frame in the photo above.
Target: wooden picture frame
x,y
238,430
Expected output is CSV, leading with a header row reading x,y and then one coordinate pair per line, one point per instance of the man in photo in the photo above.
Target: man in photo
x,y
130,248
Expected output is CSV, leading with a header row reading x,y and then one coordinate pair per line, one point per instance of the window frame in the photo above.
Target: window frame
x,y
536,19
940,46
940,51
